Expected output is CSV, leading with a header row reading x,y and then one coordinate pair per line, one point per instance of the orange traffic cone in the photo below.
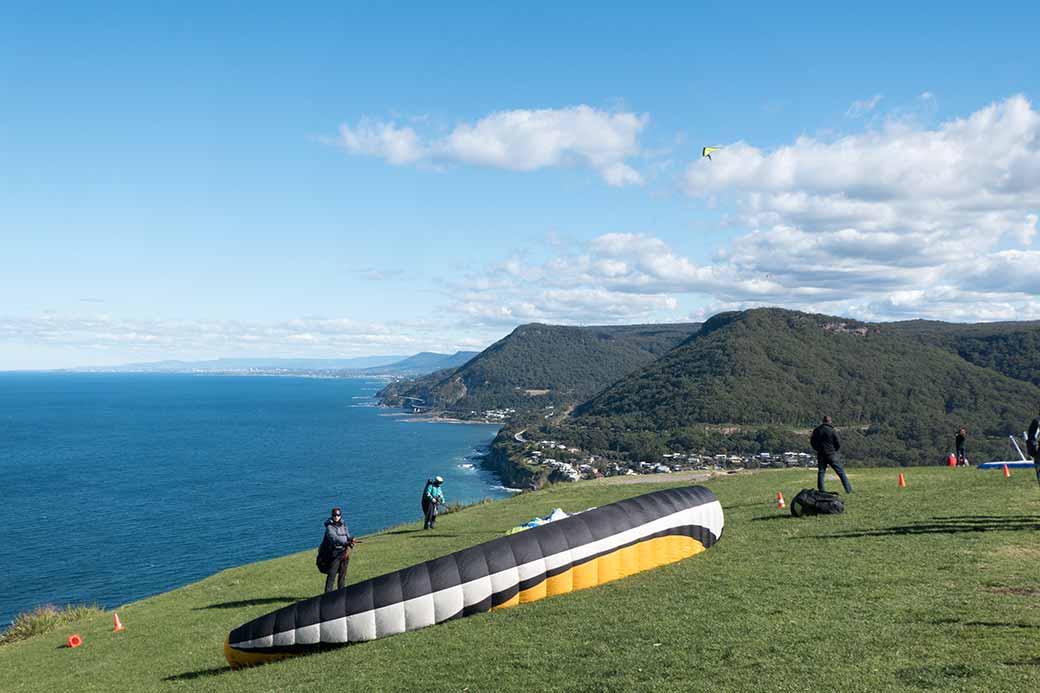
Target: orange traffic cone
x,y
1007,472
74,640
902,481
780,500
118,625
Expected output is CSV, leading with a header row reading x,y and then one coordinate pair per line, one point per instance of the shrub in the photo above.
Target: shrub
x,y
46,618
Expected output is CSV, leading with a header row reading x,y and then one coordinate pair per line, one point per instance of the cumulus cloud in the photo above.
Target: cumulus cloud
x,y
518,140
614,278
893,220
581,305
384,140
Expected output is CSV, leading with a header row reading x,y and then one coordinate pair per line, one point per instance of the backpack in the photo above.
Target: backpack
x,y
323,561
812,502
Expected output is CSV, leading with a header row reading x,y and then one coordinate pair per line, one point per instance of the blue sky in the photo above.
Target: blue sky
x,y
184,181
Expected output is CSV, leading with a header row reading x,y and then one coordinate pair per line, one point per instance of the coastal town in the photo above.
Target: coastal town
x,y
568,463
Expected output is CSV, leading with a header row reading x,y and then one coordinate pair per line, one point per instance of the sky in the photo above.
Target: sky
x,y
201,180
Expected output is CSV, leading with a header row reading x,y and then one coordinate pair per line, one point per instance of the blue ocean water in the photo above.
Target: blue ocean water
x,y
115,487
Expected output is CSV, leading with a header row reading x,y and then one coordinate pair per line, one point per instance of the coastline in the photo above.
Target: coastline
x,y
412,418
513,474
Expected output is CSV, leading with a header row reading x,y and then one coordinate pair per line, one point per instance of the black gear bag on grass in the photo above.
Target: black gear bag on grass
x,y
812,502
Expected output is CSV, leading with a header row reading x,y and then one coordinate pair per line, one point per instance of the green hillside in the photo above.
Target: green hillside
x,y
767,375
1011,348
932,587
537,365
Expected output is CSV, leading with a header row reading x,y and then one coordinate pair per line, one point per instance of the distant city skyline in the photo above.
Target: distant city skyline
x,y
195,182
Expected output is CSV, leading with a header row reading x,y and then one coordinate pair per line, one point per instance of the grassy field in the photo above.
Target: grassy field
x,y
930,587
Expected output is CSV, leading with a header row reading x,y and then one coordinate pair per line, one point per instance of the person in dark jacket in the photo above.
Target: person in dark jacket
x,y
1033,445
337,534
962,458
432,497
825,442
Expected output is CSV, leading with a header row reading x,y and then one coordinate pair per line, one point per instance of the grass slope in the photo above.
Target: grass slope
x,y
931,587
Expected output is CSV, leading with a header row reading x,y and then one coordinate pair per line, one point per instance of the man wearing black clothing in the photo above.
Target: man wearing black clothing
x,y
826,444
1033,445
962,457
337,534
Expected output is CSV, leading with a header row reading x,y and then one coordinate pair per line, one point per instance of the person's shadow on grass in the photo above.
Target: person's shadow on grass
x,y
249,602
954,524
202,673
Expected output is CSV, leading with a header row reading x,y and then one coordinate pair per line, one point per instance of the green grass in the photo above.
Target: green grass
x,y
931,587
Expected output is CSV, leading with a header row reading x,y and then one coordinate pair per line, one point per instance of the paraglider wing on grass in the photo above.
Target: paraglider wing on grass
x,y
581,551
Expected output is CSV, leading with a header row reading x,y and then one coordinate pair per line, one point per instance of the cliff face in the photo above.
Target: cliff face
x,y
513,474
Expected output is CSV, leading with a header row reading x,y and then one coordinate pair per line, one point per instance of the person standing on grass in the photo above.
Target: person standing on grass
x,y
825,442
1033,445
962,458
432,497
337,534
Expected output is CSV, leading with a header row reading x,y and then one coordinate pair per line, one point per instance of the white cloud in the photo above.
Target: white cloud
x,y
518,140
890,221
106,339
383,140
859,109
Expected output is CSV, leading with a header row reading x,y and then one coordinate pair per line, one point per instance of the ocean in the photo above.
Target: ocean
x,y
115,487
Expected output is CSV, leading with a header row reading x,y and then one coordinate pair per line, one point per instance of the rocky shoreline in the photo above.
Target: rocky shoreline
x,y
512,474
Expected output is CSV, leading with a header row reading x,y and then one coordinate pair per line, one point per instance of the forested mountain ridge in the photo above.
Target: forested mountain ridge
x,y
538,365
1011,348
900,397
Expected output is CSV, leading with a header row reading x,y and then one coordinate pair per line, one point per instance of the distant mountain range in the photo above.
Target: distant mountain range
x,y
417,364
422,363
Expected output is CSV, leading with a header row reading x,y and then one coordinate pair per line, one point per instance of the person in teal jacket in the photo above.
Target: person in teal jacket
x,y
432,497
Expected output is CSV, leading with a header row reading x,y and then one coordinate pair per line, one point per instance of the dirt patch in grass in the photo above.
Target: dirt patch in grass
x,y
1016,591
1026,552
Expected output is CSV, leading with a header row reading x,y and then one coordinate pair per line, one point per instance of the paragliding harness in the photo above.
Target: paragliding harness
x,y
323,560
327,554
812,502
